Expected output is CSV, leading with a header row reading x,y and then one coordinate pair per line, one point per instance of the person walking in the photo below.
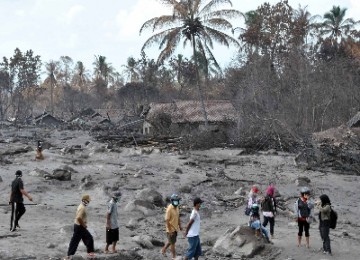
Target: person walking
x,y
173,225
80,230
112,226
268,207
192,232
303,213
16,200
324,206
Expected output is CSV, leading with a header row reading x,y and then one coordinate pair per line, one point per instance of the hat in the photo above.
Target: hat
x,y
197,201
18,173
305,190
270,190
86,197
175,197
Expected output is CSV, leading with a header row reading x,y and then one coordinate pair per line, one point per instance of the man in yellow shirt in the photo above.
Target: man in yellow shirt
x,y
80,230
173,225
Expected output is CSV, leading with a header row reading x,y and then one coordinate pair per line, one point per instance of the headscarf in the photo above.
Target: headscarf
x,y
325,200
270,190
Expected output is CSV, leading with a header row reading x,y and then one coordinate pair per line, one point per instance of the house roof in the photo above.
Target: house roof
x,y
46,116
191,111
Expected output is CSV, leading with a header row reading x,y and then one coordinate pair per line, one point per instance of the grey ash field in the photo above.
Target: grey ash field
x,y
146,177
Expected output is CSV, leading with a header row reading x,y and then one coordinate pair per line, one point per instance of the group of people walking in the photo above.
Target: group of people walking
x,y
191,232
303,214
303,210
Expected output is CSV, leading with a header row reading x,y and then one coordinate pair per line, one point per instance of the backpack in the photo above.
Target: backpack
x,y
333,218
247,211
254,211
303,209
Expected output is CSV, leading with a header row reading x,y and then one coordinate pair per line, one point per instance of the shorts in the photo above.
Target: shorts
x,y
194,249
172,237
112,235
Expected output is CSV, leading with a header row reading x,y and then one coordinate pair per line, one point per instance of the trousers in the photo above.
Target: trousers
x,y
80,233
17,210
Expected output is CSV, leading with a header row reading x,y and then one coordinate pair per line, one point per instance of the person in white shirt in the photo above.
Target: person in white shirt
x,y
192,232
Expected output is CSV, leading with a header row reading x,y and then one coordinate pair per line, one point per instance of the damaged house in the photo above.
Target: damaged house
x,y
185,116
47,120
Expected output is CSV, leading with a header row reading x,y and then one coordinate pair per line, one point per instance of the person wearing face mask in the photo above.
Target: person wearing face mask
x,y
112,226
173,225
80,230
303,214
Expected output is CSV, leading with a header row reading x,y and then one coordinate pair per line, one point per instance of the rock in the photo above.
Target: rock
x,y
146,207
144,241
178,171
240,242
1,180
50,245
67,150
144,203
59,174
68,168
4,161
132,224
145,172
185,189
87,182
302,181
152,196
174,177
38,173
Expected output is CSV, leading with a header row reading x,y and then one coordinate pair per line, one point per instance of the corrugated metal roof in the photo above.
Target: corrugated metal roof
x,y
191,111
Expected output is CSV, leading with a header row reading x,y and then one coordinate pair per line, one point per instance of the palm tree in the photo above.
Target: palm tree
x,y
335,25
193,21
102,70
131,69
80,76
304,25
51,68
250,36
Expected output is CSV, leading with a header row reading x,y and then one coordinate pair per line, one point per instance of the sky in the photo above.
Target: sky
x,y
83,29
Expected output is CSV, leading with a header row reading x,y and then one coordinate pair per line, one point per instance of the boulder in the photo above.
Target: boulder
x,y
144,241
38,173
239,242
302,181
59,174
152,196
146,207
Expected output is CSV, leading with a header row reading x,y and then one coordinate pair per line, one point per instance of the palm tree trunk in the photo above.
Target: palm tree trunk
x,y
52,95
198,84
